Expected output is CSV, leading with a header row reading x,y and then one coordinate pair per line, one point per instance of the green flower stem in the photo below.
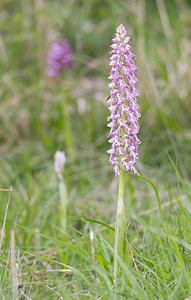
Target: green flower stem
x,y
63,210
119,227
131,190
67,124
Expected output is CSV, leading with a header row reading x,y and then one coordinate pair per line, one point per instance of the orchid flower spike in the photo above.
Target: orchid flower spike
x,y
59,56
124,115
60,159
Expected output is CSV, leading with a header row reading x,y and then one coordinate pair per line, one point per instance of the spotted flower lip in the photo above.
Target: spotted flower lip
x,y
124,115
59,56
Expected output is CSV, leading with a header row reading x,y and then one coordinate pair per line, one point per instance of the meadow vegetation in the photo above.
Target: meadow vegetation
x,y
40,115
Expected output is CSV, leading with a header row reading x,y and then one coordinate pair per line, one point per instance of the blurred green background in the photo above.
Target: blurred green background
x,y
32,122
40,115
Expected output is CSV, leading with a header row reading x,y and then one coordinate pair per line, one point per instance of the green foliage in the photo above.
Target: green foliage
x,y
39,115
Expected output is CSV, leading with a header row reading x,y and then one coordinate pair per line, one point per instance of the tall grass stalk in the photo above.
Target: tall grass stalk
x,y
67,128
60,160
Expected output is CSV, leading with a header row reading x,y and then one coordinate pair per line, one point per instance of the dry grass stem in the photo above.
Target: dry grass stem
x,y
164,19
13,265
51,271
93,261
5,217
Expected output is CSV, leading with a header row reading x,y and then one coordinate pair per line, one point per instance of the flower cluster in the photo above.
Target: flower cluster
x,y
60,159
59,56
124,115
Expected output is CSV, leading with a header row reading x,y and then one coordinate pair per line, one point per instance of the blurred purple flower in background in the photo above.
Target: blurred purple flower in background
x,y
59,56
124,115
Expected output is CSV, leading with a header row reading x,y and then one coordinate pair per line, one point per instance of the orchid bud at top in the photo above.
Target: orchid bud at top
x,y
59,56
124,115
60,159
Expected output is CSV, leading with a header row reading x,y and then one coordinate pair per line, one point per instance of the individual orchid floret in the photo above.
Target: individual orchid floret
x,y
124,115
60,159
59,56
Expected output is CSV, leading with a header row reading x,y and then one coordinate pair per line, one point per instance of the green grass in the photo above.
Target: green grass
x,y
38,116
